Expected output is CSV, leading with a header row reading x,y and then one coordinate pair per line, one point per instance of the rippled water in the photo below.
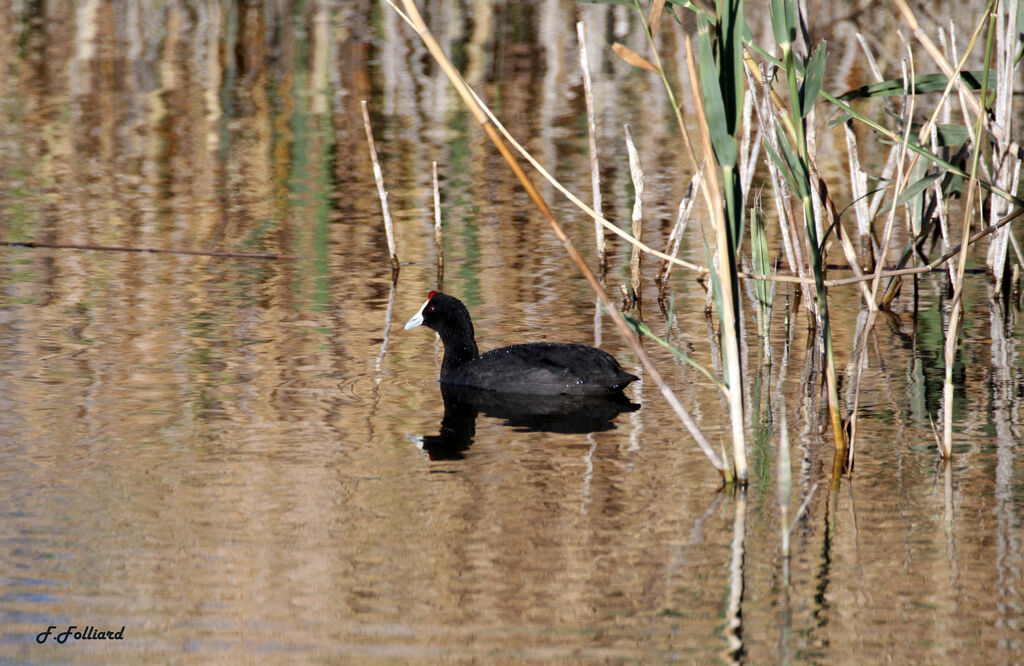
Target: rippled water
x,y
243,459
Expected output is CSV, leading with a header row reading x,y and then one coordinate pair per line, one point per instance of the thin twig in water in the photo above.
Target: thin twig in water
x,y
438,239
636,172
378,176
595,173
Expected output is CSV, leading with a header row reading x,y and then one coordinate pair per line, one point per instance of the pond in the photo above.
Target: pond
x,y
226,447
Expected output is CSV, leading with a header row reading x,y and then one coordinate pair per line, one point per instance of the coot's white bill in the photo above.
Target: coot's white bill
x,y
417,319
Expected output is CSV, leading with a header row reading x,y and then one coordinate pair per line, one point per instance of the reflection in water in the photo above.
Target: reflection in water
x,y
564,414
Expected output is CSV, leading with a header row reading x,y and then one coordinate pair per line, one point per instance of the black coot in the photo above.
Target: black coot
x,y
540,368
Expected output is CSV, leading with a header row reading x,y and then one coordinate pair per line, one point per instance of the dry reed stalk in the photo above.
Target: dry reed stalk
x,y
750,149
953,329
878,198
595,172
908,115
649,32
872,63
787,225
636,173
844,239
412,16
438,239
866,208
1005,162
858,182
378,176
941,209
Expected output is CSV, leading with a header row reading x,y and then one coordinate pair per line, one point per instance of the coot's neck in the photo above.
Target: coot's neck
x,y
459,345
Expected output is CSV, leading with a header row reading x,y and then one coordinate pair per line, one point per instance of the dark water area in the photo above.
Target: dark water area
x,y
243,459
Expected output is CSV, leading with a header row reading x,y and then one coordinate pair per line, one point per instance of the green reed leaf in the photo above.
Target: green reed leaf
x,y
783,23
923,84
912,191
814,75
724,144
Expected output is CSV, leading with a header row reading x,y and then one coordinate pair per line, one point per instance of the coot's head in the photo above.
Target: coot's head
x,y
445,314
450,318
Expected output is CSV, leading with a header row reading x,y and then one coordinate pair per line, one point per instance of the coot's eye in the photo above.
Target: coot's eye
x,y
430,309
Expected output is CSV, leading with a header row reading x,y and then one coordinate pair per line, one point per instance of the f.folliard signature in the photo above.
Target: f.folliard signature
x,y
87,633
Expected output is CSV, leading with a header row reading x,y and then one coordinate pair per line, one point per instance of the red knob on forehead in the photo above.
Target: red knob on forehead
x,y
431,295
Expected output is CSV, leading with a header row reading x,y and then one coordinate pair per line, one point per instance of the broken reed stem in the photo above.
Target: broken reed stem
x,y
595,173
475,107
378,176
636,173
439,246
858,181
682,220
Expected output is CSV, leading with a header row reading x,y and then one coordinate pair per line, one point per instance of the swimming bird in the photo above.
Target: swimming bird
x,y
538,368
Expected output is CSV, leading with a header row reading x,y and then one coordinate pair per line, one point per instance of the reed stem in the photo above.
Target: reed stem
x,y
595,172
953,330
636,172
378,176
438,238
727,275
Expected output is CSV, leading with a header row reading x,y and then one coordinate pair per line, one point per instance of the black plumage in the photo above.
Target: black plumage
x,y
542,368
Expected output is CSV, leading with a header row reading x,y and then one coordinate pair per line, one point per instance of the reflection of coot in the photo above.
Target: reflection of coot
x,y
566,414
457,429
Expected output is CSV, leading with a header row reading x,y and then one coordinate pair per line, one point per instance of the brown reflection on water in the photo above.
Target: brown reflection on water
x,y
219,453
